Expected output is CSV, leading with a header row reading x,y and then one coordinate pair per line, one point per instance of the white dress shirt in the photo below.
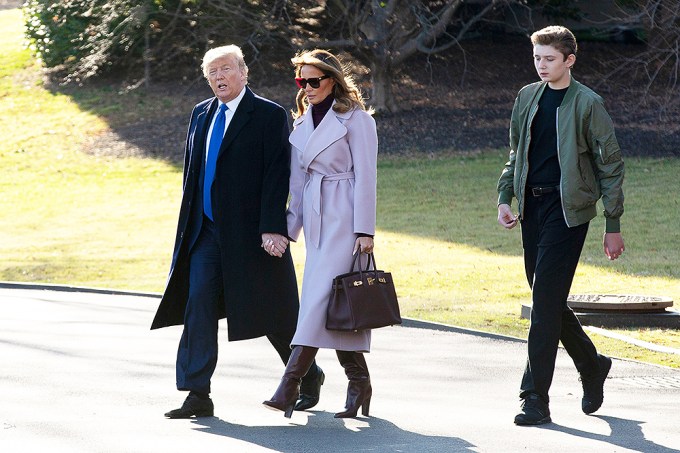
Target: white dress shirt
x,y
229,114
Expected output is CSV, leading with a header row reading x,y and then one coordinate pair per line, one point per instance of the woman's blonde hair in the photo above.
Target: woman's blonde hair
x,y
345,91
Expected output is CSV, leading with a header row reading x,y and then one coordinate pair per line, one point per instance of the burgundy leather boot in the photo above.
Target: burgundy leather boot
x,y
359,389
287,394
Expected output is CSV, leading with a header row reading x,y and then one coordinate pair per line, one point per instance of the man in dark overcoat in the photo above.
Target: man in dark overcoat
x,y
231,257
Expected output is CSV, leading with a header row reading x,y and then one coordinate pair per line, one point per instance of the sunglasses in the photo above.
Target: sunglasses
x,y
313,82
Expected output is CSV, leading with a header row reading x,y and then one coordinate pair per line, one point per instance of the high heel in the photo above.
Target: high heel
x,y
285,397
288,392
365,405
358,396
359,390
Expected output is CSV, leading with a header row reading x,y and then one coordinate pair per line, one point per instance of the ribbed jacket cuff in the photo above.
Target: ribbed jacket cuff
x,y
612,225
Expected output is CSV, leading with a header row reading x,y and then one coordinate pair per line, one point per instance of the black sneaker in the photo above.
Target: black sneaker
x,y
593,386
535,411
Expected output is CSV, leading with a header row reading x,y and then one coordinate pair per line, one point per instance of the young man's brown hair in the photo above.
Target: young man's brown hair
x,y
559,37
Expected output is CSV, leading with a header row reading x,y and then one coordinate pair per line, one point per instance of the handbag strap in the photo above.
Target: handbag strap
x,y
354,262
371,259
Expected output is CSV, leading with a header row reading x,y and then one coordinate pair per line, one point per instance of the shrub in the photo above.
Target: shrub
x,y
88,37
56,30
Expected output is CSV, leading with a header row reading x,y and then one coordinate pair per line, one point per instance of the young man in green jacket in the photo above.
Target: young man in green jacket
x,y
563,158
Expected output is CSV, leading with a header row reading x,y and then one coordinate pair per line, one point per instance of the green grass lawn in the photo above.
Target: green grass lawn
x,y
456,265
69,217
78,219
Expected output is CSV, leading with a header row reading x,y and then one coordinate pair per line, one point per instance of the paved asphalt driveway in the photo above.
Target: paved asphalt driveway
x,y
81,372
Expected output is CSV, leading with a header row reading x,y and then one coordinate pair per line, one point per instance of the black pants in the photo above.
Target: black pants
x,y
551,254
197,351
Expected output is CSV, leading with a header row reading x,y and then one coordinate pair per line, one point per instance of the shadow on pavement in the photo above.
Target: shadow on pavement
x,y
625,433
321,434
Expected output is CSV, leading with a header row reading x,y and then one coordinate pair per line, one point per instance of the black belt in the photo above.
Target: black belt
x,y
538,191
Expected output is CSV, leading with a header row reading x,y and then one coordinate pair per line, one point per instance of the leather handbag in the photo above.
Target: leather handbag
x,y
362,299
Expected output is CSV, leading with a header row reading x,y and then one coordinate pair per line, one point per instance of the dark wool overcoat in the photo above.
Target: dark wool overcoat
x,y
249,196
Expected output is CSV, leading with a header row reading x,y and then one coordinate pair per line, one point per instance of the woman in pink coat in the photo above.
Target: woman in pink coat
x,y
333,198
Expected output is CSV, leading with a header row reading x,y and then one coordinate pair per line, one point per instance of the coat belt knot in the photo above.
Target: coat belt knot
x,y
315,180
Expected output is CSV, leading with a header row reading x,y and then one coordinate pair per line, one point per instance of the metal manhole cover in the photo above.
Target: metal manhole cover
x,y
620,303
651,382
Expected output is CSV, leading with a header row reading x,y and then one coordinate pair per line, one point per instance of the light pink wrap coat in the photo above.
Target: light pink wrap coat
x,y
333,197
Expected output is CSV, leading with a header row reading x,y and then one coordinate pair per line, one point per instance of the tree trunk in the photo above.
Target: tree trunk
x,y
382,98
147,54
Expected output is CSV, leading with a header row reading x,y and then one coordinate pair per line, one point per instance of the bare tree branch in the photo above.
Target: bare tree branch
x,y
659,62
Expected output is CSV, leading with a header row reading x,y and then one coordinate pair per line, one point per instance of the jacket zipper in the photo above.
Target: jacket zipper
x,y
557,131
525,174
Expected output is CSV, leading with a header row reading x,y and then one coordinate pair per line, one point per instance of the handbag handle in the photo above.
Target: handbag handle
x,y
371,259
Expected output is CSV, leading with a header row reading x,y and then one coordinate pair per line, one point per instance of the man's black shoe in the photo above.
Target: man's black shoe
x,y
535,411
593,386
310,390
193,406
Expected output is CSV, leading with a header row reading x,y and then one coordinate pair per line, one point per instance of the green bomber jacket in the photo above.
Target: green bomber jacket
x,y
589,155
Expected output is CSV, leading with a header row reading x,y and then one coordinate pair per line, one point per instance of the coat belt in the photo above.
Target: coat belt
x,y
315,186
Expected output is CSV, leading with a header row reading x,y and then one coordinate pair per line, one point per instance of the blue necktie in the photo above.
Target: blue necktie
x,y
213,150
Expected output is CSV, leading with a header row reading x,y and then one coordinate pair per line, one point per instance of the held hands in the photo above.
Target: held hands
x,y
613,245
274,244
364,244
506,218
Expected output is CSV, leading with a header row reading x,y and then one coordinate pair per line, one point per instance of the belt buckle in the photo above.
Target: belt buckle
x,y
536,191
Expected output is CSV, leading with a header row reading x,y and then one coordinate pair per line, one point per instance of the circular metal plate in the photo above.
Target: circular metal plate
x,y
618,303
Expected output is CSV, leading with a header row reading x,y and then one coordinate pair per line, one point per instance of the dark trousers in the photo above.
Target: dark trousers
x,y
197,352
551,254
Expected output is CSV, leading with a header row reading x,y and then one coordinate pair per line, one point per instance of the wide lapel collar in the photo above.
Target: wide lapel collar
x,y
201,131
240,118
303,126
329,130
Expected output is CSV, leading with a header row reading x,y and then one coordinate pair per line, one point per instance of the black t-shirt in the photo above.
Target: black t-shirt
x,y
544,165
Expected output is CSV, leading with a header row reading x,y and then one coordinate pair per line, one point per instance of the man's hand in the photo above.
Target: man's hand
x,y
505,217
274,244
613,245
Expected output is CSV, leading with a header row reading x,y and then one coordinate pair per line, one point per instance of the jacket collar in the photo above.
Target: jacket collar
x,y
574,87
240,118
568,96
313,141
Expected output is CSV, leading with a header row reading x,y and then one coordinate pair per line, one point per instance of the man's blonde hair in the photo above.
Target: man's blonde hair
x,y
222,51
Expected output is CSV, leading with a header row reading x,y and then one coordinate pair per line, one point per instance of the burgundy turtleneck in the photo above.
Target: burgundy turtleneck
x,y
319,110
